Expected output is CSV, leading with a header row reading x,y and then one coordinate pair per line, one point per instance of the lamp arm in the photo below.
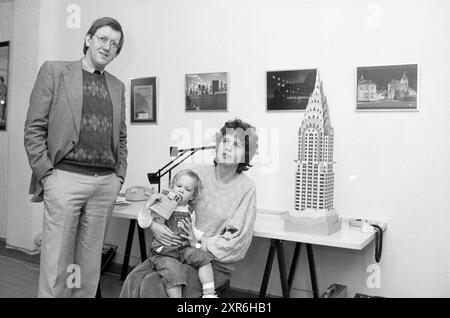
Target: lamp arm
x,y
155,178
159,171
190,154
196,149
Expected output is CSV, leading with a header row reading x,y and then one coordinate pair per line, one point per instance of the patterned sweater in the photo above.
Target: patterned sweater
x,y
226,207
93,153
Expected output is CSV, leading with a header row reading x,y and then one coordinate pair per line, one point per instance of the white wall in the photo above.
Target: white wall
x,y
389,165
6,34
24,63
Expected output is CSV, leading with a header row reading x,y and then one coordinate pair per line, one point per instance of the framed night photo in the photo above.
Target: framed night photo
x,y
4,67
387,88
206,92
143,100
289,90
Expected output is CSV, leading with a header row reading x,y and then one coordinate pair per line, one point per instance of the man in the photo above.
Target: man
x,y
75,139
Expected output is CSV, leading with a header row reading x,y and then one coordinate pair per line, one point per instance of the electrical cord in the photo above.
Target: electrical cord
x,y
378,241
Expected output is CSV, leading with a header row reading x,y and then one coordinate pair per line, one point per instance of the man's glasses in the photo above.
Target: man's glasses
x,y
103,40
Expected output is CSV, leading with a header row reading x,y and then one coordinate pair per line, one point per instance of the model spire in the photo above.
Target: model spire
x,y
315,175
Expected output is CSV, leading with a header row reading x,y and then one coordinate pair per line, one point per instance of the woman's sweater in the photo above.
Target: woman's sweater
x,y
224,208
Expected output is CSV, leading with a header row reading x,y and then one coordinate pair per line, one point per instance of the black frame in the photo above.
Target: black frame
x,y
134,109
3,109
189,106
276,99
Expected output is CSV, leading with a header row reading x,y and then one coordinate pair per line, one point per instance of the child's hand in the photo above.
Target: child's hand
x,y
186,226
163,234
145,214
151,200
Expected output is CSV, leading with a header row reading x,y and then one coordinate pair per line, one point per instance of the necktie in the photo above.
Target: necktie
x,y
97,72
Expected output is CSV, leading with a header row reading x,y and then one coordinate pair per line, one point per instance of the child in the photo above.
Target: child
x,y
168,259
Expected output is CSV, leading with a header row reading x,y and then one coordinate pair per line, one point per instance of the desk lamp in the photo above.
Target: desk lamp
x,y
181,155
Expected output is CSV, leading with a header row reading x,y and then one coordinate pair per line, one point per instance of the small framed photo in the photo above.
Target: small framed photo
x,y
289,90
206,92
143,100
387,88
4,71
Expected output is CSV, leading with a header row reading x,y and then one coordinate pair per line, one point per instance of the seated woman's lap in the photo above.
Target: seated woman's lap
x,y
145,282
169,269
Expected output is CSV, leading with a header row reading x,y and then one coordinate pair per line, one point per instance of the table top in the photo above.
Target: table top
x,y
269,224
128,210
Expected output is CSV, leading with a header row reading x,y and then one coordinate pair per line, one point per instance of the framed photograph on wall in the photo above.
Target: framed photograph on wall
x,y
387,88
289,90
4,71
206,92
143,100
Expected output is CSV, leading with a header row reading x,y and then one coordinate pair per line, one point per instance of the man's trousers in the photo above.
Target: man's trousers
x,y
77,210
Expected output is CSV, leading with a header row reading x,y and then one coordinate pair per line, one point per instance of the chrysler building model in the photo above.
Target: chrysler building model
x,y
314,181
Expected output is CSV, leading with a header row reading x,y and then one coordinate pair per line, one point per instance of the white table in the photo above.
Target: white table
x,y
130,211
268,224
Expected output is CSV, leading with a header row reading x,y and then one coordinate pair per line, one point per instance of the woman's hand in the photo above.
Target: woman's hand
x,y
186,226
163,234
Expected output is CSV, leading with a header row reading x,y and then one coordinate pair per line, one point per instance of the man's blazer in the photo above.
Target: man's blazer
x,y
52,127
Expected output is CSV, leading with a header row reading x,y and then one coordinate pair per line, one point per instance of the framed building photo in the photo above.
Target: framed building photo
x,y
289,90
143,100
387,88
207,92
4,67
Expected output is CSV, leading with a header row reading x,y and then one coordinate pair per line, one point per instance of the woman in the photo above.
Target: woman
x,y
225,211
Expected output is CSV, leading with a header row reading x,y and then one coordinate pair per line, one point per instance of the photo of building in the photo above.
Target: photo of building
x,y
289,90
206,92
392,87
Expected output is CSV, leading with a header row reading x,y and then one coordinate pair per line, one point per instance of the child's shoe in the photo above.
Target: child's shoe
x,y
145,217
210,296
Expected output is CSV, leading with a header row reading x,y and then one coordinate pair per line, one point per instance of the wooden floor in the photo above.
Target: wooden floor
x,y
19,277
18,280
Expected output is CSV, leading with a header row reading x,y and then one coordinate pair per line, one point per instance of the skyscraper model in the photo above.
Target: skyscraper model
x,y
314,180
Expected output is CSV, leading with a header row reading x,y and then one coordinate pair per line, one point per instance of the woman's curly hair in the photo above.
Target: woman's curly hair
x,y
245,131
